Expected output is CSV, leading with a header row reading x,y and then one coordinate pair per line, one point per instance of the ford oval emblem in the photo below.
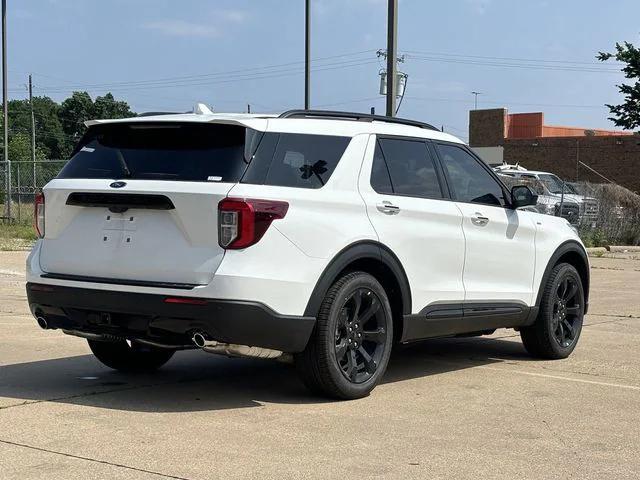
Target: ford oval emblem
x,y
118,184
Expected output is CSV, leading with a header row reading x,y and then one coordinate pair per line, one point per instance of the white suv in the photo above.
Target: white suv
x,y
326,235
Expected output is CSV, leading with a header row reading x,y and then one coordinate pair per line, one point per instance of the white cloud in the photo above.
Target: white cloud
x,y
181,28
479,6
235,16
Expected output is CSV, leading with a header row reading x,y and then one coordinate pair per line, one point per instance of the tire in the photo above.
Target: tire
x,y
557,328
349,349
130,358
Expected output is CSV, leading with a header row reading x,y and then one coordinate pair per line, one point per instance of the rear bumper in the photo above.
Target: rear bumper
x,y
150,317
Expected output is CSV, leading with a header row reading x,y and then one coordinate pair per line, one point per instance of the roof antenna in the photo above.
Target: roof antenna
x,y
202,109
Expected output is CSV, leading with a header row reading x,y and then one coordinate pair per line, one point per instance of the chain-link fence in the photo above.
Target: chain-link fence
x,y
27,178
616,221
604,214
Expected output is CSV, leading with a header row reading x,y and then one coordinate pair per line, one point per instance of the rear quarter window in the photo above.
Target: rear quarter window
x,y
295,160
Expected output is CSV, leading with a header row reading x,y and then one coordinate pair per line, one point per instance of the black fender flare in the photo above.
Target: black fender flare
x,y
574,247
367,249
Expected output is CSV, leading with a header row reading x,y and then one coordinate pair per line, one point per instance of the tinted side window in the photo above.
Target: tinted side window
x,y
380,180
411,168
470,181
296,160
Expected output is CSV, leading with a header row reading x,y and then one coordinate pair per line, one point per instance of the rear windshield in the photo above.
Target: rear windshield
x,y
166,151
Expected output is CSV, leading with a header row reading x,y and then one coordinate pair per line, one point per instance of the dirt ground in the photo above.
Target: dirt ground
x,y
459,408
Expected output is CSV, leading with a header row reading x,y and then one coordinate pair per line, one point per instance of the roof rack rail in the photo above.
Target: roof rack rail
x,y
361,117
154,114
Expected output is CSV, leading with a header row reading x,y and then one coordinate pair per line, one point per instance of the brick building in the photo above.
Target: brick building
x,y
524,138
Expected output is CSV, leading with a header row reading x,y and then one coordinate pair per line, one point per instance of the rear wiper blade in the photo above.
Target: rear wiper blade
x,y
123,164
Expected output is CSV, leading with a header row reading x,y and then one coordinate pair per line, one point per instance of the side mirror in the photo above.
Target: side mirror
x,y
522,196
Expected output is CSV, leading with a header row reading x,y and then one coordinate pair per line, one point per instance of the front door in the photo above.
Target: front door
x,y
500,241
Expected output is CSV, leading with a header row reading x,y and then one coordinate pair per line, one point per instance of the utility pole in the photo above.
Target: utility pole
x,y
392,53
475,94
307,54
577,158
33,135
5,109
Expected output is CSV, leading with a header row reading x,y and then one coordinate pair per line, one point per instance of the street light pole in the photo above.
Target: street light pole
x,y
307,55
5,110
475,94
392,55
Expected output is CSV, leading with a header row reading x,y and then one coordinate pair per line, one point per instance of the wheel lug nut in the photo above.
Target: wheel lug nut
x,y
349,340
359,335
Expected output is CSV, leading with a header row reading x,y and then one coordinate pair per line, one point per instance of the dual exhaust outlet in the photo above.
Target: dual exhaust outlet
x,y
199,339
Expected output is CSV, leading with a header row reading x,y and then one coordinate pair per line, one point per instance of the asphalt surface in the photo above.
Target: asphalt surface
x,y
460,408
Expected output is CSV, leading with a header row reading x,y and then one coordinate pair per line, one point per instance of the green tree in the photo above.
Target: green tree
x,y
74,111
109,107
627,114
79,108
50,138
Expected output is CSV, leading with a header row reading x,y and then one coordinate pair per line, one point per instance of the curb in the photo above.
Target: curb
x,y
632,248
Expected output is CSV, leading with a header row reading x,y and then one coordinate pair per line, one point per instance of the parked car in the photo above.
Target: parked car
x,y
548,204
552,187
326,235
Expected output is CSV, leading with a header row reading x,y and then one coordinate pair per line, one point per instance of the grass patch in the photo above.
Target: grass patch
x,y
16,237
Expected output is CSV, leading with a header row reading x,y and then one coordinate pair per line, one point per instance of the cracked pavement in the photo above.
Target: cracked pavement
x,y
456,408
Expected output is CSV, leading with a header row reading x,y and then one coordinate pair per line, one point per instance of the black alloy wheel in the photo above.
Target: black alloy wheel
x,y
567,311
349,349
557,328
361,334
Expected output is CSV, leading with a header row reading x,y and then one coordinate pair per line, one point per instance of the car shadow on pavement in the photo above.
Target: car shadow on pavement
x,y
193,381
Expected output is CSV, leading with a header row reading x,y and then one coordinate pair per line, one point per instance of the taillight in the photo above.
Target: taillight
x,y
38,217
243,221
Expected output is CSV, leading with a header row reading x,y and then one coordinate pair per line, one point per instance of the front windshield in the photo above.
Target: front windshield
x,y
553,183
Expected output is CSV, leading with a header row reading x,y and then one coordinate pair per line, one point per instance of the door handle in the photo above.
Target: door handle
x,y
388,208
479,219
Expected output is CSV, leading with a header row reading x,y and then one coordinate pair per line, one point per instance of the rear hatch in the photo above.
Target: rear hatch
x,y
137,202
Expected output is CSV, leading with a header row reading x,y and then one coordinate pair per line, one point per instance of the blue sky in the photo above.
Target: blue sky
x,y
166,55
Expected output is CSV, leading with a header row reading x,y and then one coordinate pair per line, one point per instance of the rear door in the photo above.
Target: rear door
x,y
500,241
405,197
138,202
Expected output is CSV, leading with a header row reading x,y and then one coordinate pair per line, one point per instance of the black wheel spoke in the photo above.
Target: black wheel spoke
x,y
341,349
562,288
343,320
369,364
568,328
352,365
357,303
375,336
570,292
370,311
575,310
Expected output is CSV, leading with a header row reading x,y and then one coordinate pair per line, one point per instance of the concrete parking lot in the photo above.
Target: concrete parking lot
x,y
457,408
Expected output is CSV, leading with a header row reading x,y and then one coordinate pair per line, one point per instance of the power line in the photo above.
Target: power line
x,y
284,73
518,59
199,77
504,102
526,66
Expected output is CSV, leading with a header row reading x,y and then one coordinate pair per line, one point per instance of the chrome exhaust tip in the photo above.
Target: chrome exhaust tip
x,y
42,323
199,340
